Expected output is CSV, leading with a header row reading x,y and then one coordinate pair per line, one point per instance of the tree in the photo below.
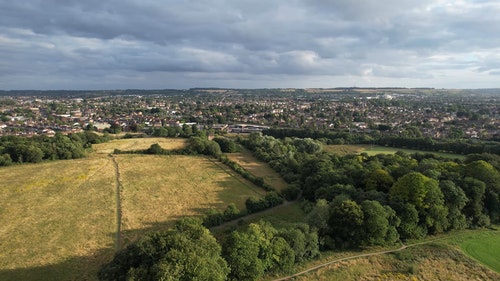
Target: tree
x,y
186,252
319,216
376,223
250,253
226,145
115,128
302,240
379,180
455,202
486,173
346,223
155,149
409,227
425,195
474,209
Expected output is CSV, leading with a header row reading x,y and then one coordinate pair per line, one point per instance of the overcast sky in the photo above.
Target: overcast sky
x,y
157,44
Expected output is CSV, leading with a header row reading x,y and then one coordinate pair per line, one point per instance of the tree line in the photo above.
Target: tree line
x,y
189,251
405,140
17,149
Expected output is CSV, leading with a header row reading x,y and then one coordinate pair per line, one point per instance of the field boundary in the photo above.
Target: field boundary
x,y
236,176
118,190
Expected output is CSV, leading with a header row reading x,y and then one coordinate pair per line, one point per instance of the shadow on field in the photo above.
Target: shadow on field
x,y
77,267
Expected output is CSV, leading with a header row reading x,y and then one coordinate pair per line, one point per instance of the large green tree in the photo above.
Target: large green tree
x,y
379,224
423,193
186,252
346,223
486,173
455,202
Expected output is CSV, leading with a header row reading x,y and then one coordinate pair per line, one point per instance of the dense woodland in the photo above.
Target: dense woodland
x,y
354,201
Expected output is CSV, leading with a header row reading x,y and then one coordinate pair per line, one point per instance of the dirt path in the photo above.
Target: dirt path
x,y
118,191
354,257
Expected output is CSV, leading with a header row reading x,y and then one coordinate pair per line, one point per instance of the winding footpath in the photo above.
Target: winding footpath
x,y
354,257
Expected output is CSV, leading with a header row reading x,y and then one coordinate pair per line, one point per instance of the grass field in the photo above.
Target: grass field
x,y
342,150
258,168
157,190
484,247
137,144
59,219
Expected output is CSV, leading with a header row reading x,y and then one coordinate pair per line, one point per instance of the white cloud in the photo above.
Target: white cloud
x,y
146,44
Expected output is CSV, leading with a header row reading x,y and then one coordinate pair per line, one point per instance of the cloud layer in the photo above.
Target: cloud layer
x,y
116,44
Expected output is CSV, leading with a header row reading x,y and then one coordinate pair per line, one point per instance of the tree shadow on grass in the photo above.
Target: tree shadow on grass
x,y
87,267
78,268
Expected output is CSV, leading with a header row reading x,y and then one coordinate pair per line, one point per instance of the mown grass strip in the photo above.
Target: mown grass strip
x,y
484,249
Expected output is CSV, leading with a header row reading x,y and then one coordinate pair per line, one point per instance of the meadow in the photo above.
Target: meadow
x,y
56,213
60,220
481,245
138,144
371,150
434,261
246,160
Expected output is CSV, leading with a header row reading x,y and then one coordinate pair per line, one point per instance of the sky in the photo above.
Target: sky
x,y
174,44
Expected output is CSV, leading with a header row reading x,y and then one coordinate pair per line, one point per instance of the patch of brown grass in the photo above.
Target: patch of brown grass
x,y
157,190
258,168
426,262
55,211
138,144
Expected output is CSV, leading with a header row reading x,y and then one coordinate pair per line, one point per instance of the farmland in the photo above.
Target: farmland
x,y
59,218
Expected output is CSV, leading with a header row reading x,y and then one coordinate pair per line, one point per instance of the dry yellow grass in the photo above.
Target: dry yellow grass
x,y
59,219
158,190
137,144
56,211
258,168
426,262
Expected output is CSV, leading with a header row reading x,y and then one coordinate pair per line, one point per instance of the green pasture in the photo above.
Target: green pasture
x,y
485,248
371,150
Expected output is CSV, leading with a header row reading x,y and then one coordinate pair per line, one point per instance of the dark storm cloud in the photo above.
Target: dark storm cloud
x,y
308,43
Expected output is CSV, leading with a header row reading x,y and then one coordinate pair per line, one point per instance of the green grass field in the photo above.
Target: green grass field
x,y
343,150
59,219
484,248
